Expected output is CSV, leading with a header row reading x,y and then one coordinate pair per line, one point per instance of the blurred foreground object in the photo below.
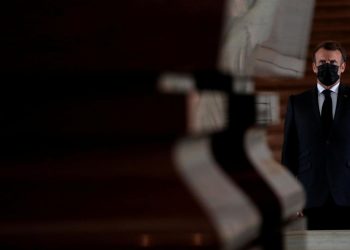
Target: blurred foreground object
x,y
269,38
101,149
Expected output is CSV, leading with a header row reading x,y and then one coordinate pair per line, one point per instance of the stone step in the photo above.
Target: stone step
x,y
317,239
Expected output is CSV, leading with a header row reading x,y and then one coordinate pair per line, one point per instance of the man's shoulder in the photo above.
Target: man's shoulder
x,y
345,89
305,95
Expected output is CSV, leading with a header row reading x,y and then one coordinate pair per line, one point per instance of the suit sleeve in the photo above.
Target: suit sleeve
x,y
290,143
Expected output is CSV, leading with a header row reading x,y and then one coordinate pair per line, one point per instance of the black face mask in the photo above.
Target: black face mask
x,y
328,74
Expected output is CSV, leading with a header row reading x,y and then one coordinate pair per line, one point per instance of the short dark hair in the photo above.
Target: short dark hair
x,y
330,45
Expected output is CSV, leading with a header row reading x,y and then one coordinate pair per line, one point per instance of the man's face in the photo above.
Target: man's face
x,y
329,56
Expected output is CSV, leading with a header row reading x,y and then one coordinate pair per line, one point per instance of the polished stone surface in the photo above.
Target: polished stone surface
x,y
318,240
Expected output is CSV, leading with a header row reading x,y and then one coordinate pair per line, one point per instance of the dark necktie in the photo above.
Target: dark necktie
x,y
326,114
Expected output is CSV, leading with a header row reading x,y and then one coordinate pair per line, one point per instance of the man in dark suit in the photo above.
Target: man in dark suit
x,y
317,141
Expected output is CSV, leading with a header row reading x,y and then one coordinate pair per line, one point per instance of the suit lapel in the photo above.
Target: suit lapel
x,y
315,108
342,96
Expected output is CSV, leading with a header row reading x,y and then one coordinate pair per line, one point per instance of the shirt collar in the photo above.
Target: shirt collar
x,y
334,89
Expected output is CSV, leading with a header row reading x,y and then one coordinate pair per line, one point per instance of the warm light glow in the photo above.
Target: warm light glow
x,y
197,239
145,240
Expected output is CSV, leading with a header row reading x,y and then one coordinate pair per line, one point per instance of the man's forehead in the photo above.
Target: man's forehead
x,y
322,54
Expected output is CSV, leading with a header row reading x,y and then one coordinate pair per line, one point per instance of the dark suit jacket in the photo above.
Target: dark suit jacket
x,y
321,164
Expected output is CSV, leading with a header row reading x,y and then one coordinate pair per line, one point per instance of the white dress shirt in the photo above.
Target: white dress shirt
x,y
334,96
